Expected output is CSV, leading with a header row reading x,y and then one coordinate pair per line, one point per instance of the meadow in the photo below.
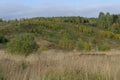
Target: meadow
x,y
60,65
60,48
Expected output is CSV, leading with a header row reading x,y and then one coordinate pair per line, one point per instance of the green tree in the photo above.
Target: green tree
x,y
115,18
108,21
104,20
101,20
1,20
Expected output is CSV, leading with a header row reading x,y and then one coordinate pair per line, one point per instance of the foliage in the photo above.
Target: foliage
x,y
22,44
3,39
107,34
88,46
115,28
60,30
66,44
104,20
104,47
80,44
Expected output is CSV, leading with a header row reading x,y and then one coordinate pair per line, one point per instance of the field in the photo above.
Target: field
x,y
60,48
60,65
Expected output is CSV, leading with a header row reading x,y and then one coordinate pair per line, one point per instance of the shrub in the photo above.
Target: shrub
x,y
66,44
80,44
22,44
3,39
87,46
104,47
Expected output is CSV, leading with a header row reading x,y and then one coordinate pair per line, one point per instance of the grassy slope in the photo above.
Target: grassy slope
x,y
58,65
54,29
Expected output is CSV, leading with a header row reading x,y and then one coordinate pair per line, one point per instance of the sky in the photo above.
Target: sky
x,y
12,9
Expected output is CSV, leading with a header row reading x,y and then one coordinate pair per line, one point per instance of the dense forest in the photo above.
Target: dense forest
x,y
65,33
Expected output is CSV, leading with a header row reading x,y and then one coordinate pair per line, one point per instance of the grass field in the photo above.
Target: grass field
x,y
59,65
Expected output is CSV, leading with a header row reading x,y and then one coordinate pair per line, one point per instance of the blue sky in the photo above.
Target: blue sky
x,y
11,9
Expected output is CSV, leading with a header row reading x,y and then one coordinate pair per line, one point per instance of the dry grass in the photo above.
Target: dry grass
x,y
53,64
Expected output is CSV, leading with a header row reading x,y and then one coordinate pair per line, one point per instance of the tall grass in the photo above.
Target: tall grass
x,y
58,65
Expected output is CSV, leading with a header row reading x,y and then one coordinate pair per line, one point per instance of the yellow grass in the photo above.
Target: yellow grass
x,y
38,66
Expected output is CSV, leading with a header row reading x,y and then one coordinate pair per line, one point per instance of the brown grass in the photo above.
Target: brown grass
x,y
38,66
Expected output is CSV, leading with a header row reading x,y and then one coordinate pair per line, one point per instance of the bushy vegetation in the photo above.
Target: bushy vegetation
x,y
104,47
64,32
3,39
66,44
83,45
22,44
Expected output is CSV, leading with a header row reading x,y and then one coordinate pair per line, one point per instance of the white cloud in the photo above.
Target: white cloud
x,y
12,11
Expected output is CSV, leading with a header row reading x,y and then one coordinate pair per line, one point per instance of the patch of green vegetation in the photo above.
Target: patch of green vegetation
x,y
2,77
66,44
104,47
22,44
3,39
83,45
64,32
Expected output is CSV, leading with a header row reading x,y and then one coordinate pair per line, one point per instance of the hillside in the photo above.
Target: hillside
x,y
63,48
67,33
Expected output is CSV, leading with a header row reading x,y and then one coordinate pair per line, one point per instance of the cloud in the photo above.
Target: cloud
x,y
13,11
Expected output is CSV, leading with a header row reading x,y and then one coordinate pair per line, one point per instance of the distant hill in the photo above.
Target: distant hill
x,y
68,33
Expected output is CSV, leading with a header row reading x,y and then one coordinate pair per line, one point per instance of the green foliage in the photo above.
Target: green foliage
x,y
104,20
88,46
106,34
3,39
1,20
66,44
86,30
115,28
104,47
22,44
82,45
63,32
115,18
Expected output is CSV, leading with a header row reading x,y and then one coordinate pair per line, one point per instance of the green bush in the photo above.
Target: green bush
x,y
3,39
104,47
22,44
65,43
80,44
87,46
